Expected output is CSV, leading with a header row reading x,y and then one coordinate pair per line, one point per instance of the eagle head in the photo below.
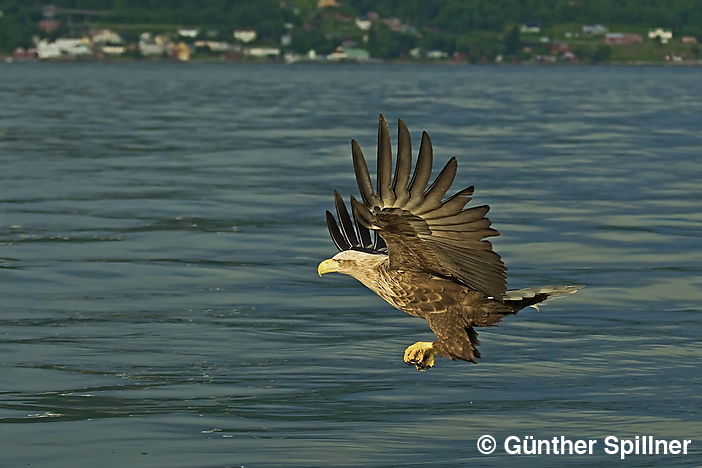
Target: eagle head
x,y
350,262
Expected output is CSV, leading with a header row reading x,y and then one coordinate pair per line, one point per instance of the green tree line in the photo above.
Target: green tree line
x,y
481,26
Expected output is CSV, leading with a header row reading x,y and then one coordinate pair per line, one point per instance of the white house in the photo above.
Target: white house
x,y
150,45
47,50
114,49
245,35
595,29
105,36
62,47
363,24
263,52
663,34
214,46
437,54
188,32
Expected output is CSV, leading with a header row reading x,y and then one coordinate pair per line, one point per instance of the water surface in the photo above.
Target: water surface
x,y
160,227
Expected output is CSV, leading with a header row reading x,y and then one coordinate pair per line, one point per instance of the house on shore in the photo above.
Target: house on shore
x,y
595,29
62,47
346,54
623,38
262,52
245,35
663,35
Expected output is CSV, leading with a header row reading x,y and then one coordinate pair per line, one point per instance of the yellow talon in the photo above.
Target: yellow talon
x,y
420,355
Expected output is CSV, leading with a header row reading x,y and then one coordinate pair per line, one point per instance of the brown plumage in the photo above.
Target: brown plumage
x,y
425,254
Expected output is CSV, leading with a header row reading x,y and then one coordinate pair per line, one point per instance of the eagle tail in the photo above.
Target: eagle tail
x,y
521,298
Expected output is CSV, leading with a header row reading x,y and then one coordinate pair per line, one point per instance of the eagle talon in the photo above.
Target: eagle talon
x,y
420,355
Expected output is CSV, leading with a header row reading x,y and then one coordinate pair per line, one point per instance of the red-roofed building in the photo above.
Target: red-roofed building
x,y
623,38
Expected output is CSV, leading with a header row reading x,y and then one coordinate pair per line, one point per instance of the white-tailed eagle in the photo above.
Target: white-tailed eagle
x,y
423,253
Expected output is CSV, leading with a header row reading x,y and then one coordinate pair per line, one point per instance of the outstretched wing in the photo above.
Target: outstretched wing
x,y
424,231
349,234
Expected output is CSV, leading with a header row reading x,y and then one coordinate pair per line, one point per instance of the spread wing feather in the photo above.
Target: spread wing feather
x,y
347,227
385,190
350,234
404,166
422,171
433,196
424,231
362,175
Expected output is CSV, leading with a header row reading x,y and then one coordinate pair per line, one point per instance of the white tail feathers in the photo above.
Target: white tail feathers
x,y
551,291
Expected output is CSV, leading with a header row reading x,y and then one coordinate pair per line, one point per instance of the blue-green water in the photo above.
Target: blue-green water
x,y
160,227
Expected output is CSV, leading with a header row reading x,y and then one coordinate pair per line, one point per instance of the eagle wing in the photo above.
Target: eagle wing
x,y
422,230
350,234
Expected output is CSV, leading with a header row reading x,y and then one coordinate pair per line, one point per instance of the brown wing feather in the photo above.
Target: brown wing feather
x,y
424,233
420,294
456,338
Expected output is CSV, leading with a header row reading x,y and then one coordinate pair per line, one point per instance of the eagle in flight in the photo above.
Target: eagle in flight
x,y
423,253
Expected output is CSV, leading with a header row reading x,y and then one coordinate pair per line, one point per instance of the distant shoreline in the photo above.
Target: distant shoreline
x,y
12,60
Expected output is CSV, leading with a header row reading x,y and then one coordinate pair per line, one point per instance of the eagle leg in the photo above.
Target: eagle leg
x,y
420,355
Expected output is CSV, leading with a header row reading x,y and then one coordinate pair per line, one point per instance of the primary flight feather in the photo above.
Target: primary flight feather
x,y
423,253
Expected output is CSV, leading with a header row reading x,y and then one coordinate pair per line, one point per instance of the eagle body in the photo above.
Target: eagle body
x,y
420,293
423,253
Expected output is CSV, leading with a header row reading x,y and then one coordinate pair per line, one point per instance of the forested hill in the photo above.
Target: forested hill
x,y
444,22
456,16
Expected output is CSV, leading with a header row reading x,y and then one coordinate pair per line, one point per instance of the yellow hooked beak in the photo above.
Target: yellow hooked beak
x,y
328,266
